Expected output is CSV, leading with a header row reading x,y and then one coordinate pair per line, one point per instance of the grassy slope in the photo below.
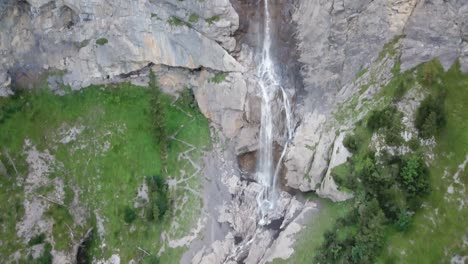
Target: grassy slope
x,y
435,241
311,236
426,241
118,118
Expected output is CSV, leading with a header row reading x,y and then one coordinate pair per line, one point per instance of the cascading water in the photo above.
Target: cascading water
x,y
269,82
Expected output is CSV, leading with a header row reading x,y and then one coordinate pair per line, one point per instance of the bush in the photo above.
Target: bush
x,y
39,239
430,116
159,198
388,119
351,142
429,73
382,118
152,260
46,257
129,215
193,18
219,77
212,19
102,41
414,176
404,221
175,21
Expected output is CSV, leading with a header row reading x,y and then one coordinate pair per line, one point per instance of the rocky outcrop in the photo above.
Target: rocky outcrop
x,y
328,188
347,37
93,40
5,81
436,29
223,102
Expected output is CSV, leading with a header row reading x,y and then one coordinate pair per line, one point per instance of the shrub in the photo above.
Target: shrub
x,y
430,116
193,18
188,98
404,221
212,19
429,73
388,119
414,175
351,142
159,198
46,257
39,239
129,215
152,260
102,41
219,77
382,118
175,21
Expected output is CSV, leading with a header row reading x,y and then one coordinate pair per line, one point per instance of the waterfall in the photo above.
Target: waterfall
x,y
271,89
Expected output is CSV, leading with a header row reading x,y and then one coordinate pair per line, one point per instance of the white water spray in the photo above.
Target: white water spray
x,y
267,171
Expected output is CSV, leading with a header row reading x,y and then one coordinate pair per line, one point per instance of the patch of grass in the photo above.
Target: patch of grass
x,y
11,212
63,224
176,21
212,20
219,77
443,218
361,73
311,237
108,161
39,239
389,48
101,41
193,18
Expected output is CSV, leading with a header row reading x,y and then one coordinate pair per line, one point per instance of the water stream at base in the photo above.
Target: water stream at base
x,y
269,82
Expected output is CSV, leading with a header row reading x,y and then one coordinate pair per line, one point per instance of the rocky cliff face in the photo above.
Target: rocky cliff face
x,y
338,39
94,41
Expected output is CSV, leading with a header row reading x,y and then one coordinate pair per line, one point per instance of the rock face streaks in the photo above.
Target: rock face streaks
x,y
346,37
62,35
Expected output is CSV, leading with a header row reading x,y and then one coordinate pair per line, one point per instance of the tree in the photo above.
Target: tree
x,y
414,175
430,116
129,215
159,117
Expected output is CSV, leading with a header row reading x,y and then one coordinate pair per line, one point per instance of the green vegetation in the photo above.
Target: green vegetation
x,y
311,237
101,41
391,189
361,73
212,20
158,205
129,215
219,77
46,257
113,155
193,18
39,239
158,113
389,48
388,120
443,217
176,21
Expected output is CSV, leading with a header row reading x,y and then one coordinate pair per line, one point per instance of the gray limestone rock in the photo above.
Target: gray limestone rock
x,y
436,29
69,36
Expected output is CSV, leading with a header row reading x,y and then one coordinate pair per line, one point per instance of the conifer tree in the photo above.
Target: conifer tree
x,y
159,118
